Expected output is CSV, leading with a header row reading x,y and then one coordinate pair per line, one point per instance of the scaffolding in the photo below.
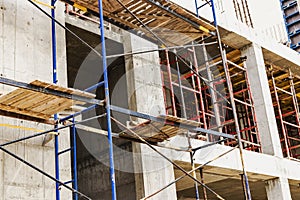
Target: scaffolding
x,y
205,98
284,88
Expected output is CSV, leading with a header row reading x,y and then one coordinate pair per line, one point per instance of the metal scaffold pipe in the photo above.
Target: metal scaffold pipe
x,y
232,101
73,137
185,116
107,100
54,79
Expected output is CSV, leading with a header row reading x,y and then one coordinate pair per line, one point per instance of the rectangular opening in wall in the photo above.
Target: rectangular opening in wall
x,y
84,70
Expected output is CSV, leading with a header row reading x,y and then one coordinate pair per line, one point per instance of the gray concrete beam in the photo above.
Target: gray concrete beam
x,y
273,51
259,166
111,32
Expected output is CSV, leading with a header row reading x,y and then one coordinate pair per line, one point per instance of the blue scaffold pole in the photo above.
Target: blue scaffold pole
x,y
107,100
54,74
74,148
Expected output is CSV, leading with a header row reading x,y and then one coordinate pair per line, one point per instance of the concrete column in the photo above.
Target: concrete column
x,y
262,100
277,188
146,96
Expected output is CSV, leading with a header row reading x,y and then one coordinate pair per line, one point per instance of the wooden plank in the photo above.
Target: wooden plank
x,y
23,112
62,89
36,104
148,13
47,104
27,96
140,5
9,96
26,117
181,120
63,106
157,132
14,97
36,99
51,86
32,101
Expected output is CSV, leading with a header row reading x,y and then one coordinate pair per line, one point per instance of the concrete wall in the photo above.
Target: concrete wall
x,y
268,19
269,25
25,55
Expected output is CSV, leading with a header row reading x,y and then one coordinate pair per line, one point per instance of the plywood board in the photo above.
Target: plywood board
x,y
38,104
158,132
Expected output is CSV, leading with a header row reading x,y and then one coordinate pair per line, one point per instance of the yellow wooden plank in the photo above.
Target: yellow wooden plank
x,y
47,104
56,109
113,10
36,99
7,97
27,96
23,112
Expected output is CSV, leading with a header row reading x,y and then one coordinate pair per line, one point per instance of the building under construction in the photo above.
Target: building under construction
x,y
149,99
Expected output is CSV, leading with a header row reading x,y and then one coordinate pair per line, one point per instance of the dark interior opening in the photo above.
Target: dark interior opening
x,y
84,70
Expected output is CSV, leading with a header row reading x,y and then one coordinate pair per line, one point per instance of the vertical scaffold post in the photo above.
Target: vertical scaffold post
x,y
54,79
185,116
232,101
107,100
74,149
197,10
214,12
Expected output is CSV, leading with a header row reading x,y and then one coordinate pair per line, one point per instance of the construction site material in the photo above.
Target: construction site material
x,y
36,104
221,109
154,132
201,31
166,19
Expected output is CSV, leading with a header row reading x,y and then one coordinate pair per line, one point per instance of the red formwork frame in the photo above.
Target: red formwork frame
x,y
200,89
288,122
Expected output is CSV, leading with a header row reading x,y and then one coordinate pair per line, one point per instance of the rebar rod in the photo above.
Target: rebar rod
x,y
248,13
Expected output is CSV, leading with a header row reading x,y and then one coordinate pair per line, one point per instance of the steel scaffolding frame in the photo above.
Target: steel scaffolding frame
x,y
286,105
240,102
